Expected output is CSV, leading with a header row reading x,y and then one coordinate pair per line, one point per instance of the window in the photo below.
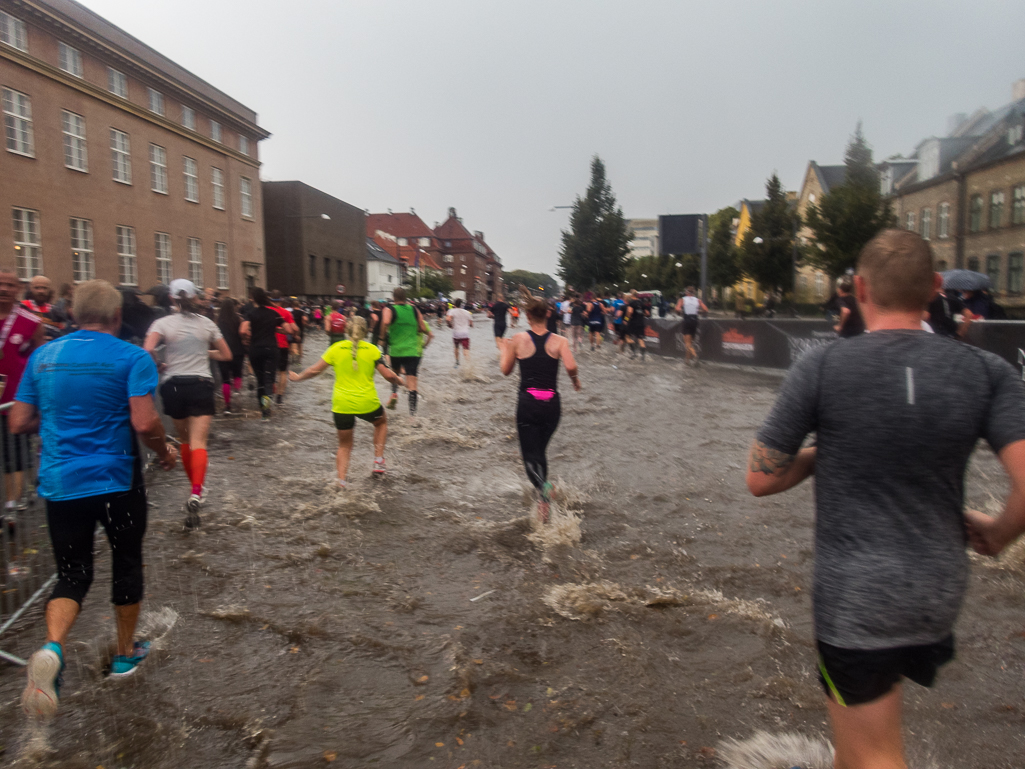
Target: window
x,y
447,258
120,156
73,127
448,244
156,101
313,266
425,242
69,59
18,122
975,213
338,270
352,273
993,270
243,144
28,250
462,270
191,172
158,169
403,242
909,221
127,273
82,250
246,188
996,210
1014,272
117,83
221,259
196,262
943,225
1018,205
162,247
973,263
389,277
215,130
926,223
12,32
217,180
449,271
361,270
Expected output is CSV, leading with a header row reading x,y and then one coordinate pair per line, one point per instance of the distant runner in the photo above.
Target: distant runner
x,y
498,311
460,321
634,325
689,306
403,329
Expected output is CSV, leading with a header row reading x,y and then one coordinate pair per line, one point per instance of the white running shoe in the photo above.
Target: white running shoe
x,y
42,692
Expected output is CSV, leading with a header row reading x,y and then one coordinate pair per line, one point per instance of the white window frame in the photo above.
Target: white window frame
x,y
1018,204
190,170
217,183
28,244
926,224
162,251
245,186
83,265
117,82
69,59
156,101
13,32
17,109
76,155
243,144
909,221
158,169
121,156
997,199
196,262
127,261
943,221
221,262
215,131
189,118
447,258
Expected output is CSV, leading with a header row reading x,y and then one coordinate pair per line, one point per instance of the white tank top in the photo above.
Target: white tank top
x,y
691,305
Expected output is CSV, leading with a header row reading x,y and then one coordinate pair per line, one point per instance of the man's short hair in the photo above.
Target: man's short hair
x,y
458,302
96,301
897,265
399,294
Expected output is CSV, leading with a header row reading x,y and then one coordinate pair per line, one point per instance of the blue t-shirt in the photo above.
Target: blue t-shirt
x,y
618,305
80,384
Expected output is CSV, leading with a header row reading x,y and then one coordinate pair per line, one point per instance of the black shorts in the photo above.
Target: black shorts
x,y
620,330
188,396
690,325
15,448
348,421
637,332
499,329
857,676
409,366
282,359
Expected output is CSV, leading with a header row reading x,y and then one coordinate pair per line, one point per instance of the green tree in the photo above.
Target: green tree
x,y
766,254
432,283
723,261
535,281
595,248
661,272
849,215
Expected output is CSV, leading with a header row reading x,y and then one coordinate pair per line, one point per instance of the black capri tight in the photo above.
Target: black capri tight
x,y
265,367
536,422
72,523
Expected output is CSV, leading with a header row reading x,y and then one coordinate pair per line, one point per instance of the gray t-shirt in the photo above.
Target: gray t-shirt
x,y
897,415
188,339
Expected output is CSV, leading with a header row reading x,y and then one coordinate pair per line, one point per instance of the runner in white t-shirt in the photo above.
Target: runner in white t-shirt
x,y
460,321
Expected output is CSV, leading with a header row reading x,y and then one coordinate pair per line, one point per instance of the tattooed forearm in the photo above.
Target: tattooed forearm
x,y
769,461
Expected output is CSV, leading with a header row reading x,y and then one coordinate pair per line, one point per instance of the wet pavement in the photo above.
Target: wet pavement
x,y
422,620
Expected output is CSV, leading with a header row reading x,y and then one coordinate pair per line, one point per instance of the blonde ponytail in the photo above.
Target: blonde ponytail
x,y
356,330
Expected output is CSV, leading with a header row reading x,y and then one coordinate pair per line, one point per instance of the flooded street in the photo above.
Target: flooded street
x,y
420,620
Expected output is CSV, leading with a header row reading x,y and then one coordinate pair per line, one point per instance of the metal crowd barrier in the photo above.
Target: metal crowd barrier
x,y
27,570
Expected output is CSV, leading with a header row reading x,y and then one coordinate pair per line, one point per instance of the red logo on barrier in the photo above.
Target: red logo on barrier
x,y
735,343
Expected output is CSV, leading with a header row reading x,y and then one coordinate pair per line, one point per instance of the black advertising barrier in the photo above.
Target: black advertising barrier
x,y
778,343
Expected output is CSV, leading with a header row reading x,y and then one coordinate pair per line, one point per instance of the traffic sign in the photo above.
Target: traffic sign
x,y
340,288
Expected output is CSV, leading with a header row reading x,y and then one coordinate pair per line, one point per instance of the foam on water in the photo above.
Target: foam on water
x,y
777,751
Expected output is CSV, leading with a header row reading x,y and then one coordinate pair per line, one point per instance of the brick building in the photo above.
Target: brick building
x,y
965,192
316,244
406,237
468,260
118,163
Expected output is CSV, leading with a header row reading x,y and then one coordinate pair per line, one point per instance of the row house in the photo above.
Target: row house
x,y
117,162
814,285
965,193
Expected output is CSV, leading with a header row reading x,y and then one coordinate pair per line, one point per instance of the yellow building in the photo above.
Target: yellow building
x,y
746,286
813,285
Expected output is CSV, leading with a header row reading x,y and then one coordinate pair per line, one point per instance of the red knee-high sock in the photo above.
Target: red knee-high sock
x,y
186,454
226,392
238,384
199,463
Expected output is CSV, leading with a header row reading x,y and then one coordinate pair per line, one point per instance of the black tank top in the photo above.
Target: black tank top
x,y
540,371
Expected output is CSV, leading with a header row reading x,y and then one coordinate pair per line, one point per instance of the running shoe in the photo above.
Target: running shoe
x,y
265,404
379,467
281,399
393,401
195,500
42,692
202,496
227,411
122,667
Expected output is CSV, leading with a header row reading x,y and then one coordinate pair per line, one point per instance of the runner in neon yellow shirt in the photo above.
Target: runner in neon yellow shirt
x,y
354,361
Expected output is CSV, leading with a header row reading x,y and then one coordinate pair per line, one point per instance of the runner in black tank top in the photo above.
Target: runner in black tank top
x,y
538,406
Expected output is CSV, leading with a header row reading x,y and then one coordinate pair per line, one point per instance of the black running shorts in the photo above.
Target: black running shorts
x,y
408,366
858,676
499,329
690,325
188,396
348,421
282,359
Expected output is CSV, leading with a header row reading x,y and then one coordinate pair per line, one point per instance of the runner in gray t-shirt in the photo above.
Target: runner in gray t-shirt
x,y
897,413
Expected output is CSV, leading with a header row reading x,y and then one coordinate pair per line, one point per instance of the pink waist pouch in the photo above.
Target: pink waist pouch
x,y
541,395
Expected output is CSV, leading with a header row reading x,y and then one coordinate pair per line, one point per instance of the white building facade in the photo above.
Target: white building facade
x,y
384,273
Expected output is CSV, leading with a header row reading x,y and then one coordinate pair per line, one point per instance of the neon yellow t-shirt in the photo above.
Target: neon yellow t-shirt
x,y
354,390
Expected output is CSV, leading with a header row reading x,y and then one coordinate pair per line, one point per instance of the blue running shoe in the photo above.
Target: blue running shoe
x,y
42,692
122,666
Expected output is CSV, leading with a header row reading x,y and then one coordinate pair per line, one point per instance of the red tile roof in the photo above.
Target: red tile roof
x,y
399,225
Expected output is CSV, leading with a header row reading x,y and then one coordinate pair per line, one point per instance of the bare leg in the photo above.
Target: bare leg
x,y
380,435
197,431
869,736
14,486
61,614
181,426
411,382
688,342
127,617
344,453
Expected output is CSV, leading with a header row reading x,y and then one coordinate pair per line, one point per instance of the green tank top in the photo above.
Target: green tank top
x,y
404,339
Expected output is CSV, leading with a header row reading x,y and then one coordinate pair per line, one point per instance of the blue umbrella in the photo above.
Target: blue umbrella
x,y
965,280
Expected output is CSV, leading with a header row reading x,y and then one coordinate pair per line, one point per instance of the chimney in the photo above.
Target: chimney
x,y
389,210
478,234
452,213
1018,90
412,211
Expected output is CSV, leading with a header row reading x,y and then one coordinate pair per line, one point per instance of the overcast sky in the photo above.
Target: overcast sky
x,y
496,108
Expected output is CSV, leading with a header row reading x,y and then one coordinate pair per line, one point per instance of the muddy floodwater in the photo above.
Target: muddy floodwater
x,y
421,621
